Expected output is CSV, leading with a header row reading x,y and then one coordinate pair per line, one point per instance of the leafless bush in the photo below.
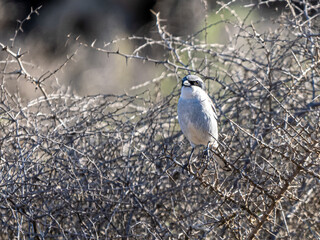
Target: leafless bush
x,y
109,166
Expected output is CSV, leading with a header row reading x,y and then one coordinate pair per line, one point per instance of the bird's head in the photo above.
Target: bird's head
x,y
193,80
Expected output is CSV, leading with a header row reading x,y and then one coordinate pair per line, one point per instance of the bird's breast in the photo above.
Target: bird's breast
x,y
197,120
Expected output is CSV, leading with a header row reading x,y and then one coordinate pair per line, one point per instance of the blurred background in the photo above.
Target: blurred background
x,y
45,37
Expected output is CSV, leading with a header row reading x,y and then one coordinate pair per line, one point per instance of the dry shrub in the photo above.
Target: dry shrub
x,y
109,166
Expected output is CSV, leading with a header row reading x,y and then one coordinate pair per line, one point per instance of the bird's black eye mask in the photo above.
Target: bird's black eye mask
x,y
189,83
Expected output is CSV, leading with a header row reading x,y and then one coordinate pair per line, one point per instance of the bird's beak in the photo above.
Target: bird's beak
x,y
186,83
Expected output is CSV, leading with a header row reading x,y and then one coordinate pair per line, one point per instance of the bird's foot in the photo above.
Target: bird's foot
x,y
206,153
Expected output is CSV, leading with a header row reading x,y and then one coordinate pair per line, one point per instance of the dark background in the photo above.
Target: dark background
x,y
44,36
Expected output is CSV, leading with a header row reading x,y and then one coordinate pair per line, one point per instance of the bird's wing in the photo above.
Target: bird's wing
x,y
214,109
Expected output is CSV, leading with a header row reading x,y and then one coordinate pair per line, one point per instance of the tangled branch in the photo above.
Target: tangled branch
x,y
110,166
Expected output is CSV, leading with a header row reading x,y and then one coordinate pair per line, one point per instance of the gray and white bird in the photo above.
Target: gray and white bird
x,y
196,114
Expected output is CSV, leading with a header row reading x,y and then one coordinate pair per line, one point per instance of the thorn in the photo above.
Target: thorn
x,y
36,11
92,44
153,12
18,55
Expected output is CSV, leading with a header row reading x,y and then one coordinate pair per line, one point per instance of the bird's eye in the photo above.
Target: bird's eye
x,y
196,83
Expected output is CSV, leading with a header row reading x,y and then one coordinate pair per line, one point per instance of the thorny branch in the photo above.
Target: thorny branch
x,y
114,170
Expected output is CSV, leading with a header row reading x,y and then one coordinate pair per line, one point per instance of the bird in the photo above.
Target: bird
x,y
197,115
